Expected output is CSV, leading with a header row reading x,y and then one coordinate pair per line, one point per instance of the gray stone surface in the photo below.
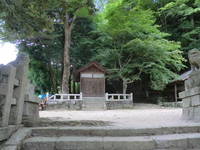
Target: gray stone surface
x,y
173,141
79,143
128,143
45,131
39,143
110,131
9,148
186,102
190,92
194,140
7,74
21,64
183,141
31,109
17,138
13,92
5,132
191,104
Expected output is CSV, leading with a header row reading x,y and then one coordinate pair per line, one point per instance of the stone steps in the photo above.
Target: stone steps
x,y
171,141
111,131
113,138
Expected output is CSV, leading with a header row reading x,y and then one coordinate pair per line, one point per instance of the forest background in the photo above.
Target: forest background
x,y
143,43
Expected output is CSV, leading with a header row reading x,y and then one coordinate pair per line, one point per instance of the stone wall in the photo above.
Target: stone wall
x,y
16,96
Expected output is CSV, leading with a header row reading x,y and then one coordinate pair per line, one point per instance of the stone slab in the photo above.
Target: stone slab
x,y
5,132
79,143
195,100
10,148
110,131
191,92
196,113
13,101
172,141
186,102
31,110
45,131
194,140
39,143
17,138
128,143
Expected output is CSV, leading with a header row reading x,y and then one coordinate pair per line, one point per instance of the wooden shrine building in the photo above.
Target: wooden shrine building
x,y
92,79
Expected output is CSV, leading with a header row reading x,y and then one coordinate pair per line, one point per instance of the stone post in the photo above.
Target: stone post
x,y
7,80
21,64
31,102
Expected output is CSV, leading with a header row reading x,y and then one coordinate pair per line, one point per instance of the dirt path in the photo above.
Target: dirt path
x,y
139,117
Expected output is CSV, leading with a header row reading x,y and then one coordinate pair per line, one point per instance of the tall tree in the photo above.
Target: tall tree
x,y
39,20
133,45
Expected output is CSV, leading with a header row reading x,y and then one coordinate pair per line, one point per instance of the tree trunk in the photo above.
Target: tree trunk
x,y
74,84
124,87
52,76
66,63
66,59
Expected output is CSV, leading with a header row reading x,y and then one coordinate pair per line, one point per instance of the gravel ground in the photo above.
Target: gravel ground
x,y
140,116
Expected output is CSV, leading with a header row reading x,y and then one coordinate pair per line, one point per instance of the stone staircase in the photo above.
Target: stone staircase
x,y
107,138
93,103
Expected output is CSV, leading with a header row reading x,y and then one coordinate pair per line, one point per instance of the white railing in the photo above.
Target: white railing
x,y
119,97
65,97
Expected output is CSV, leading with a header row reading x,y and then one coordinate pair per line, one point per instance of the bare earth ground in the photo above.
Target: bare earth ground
x,y
141,116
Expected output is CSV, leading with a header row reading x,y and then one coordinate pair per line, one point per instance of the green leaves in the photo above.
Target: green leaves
x,y
136,46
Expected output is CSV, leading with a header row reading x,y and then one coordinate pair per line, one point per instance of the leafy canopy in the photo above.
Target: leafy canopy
x,y
132,45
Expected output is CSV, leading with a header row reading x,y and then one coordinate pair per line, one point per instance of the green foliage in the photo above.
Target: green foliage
x,y
132,45
185,15
36,22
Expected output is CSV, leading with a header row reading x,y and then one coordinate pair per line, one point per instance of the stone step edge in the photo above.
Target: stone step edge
x,y
189,140
111,131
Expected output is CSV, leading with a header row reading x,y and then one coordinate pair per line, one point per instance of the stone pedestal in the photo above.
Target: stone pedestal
x,y
31,102
191,104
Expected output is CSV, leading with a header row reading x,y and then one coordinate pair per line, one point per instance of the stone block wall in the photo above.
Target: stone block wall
x,y
119,104
191,104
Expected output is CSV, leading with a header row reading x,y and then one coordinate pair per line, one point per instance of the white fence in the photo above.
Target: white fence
x,y
65,97
119,100
119,97
63,101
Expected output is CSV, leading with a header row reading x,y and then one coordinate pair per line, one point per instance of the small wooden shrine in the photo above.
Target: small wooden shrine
x,y
92,79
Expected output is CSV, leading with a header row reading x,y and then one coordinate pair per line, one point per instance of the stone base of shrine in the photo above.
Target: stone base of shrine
x,y
191,104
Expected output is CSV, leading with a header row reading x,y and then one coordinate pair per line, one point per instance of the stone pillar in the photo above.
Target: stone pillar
x,y
21,64
31,102
7,80
191,104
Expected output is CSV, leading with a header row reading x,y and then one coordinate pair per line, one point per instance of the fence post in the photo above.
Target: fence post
x,y
106,96
132,96
47,95
81,96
